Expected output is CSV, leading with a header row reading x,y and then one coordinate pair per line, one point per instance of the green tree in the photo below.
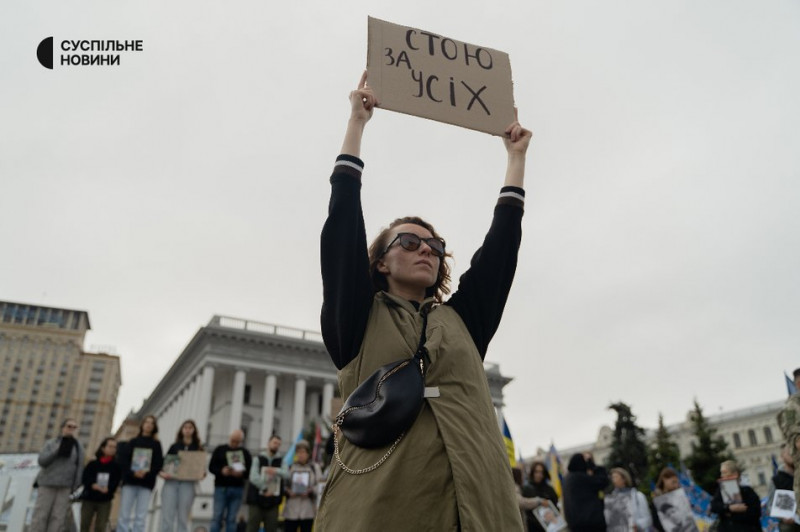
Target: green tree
x,y
708,451
663,452
628,449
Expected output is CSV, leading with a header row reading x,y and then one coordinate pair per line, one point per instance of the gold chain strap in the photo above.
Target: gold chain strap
x,y
373,467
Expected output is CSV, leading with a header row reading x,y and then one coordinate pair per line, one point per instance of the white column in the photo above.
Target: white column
x,y
172,420
299,406
177,410
163,421
184,405
327,397
204,402
193,398
268,410
237,400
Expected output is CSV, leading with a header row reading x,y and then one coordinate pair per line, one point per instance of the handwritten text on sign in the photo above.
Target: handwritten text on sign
x,y
424,74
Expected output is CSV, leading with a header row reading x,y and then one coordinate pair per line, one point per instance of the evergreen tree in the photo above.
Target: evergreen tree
x,y
663,452
708,452
628,449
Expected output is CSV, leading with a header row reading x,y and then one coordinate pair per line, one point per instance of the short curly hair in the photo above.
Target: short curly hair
x,y
379,282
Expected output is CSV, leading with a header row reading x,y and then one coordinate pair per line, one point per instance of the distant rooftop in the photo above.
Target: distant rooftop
x,y
43,316
266,328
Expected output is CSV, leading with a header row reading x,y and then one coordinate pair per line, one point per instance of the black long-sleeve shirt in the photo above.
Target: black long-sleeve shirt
x,y
127,457
90,472
223,456
347,288
749,520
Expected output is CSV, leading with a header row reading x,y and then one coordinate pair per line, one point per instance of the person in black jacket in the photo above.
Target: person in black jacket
x,y
141,461
100,480
783,480
177,495
229,465
539,488
736,516
583,489
265,492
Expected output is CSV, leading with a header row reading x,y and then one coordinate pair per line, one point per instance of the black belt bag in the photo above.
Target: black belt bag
x,y
384,406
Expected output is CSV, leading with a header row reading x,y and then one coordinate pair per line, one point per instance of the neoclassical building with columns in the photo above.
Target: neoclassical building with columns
x,y
262,378
265,379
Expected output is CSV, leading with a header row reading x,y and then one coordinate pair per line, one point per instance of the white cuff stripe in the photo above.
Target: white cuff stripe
x,y
513,195
350,164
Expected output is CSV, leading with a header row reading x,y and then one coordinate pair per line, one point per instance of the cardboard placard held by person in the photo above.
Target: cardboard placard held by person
x,y
421,73
186,465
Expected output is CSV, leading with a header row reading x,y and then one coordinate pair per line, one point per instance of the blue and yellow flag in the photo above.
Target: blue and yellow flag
x,y
512,457
554,468
289,458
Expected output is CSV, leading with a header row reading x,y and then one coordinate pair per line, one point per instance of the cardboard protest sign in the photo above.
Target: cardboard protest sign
x,y
186,465
421,73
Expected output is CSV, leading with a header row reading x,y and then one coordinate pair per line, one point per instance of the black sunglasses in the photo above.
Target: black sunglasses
x,y
411,242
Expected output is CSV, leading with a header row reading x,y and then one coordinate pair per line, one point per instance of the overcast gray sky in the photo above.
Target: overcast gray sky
x,y
661,252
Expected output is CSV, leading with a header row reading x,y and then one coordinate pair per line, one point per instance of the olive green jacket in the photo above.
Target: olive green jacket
x,y
789,419
451,468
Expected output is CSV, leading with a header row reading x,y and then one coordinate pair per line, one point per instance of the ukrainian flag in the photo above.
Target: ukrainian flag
x,y
512,456
554,468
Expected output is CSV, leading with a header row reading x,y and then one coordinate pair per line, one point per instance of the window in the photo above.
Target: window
x,y
768,434
247,390
751,435
737,442
762,479
277,398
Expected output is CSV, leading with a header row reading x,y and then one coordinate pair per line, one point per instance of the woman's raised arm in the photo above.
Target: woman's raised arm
x,y
362,103
517,146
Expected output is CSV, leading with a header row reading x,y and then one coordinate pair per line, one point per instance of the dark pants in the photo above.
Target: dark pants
x,y
226,506
257,515
304,525
97,510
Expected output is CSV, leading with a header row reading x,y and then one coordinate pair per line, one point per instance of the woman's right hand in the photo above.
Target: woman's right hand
x,y
362,101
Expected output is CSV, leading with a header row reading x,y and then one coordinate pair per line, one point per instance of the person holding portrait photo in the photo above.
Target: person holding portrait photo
x,y
100,480
177,495
673,513
626,507
538,492
229,464
141,460
736,514
301,492
783,479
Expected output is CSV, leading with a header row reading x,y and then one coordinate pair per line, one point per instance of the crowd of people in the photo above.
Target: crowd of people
x,y
595,499
263,481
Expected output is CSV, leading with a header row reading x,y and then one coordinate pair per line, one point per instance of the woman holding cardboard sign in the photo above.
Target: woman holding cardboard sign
x,y
448,470
177,495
